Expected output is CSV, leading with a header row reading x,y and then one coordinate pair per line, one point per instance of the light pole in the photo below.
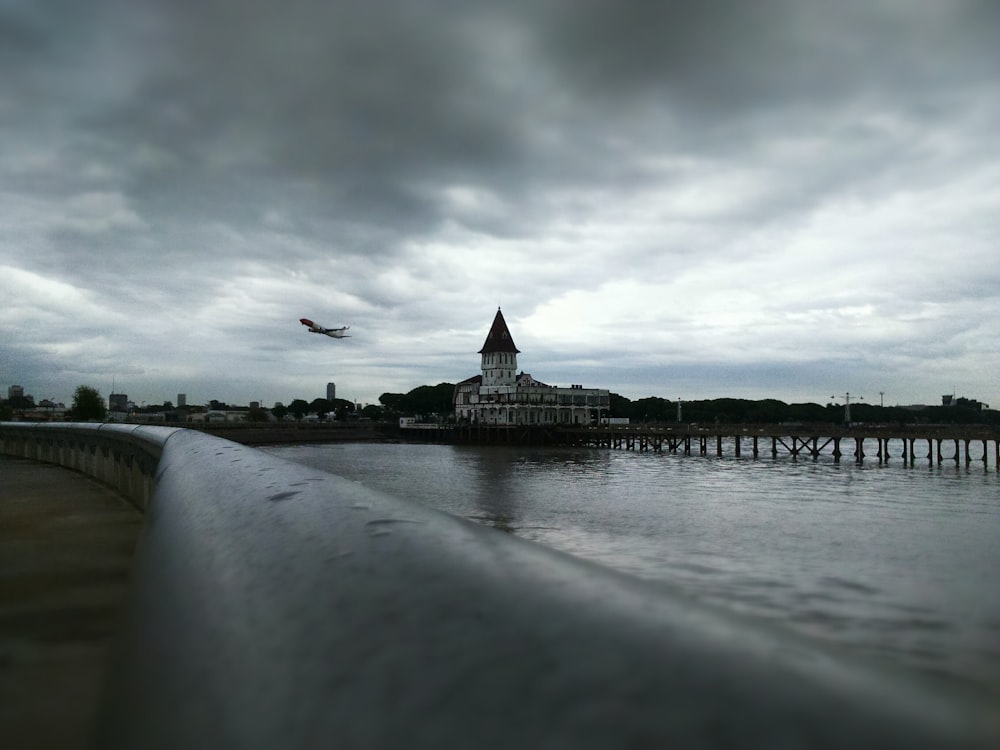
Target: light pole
x,y
847,406
679,419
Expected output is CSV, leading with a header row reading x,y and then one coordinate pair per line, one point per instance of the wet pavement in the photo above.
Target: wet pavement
x,y
66,549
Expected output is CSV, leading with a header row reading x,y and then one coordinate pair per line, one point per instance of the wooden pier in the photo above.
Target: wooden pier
x,y
961,444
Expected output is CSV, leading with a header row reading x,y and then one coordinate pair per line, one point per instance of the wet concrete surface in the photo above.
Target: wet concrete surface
x,y
66,549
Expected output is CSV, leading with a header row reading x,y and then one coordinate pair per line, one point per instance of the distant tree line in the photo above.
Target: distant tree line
x,y
434,402
88,406
772,411
428,401
338,409
11,406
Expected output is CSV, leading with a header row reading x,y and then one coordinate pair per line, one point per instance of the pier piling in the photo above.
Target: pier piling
x,y
814,440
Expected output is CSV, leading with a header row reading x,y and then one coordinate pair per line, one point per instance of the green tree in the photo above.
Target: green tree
x,y
279,411
87,405
256,415
373,412
430,399
321,407
14,406
393,402
654,409
771,411
299,408
620,405
809,412
342,407
21,402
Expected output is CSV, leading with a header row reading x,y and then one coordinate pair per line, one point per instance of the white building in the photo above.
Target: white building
x,y
500,395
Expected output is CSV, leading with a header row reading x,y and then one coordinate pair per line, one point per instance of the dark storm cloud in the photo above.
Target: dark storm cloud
x,y
720,59
17,36
372,109
366,103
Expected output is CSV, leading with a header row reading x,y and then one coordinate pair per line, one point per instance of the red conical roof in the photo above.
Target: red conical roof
x,y
498,339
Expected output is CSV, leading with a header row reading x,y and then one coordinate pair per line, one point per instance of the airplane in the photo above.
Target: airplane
x,y
337,333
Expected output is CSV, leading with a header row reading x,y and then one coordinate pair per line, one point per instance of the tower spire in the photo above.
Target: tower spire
x,y
499,338
499,355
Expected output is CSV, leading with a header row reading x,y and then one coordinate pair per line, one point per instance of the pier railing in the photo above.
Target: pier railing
x,y
274,605
909,444
935,443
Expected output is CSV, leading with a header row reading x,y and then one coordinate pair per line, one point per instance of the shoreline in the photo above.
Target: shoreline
x,y
271,435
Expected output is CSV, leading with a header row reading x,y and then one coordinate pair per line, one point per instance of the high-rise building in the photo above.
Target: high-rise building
x,y
182,400
15,391
118,402
331,391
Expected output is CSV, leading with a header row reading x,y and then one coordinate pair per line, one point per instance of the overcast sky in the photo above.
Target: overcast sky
x,y
769,199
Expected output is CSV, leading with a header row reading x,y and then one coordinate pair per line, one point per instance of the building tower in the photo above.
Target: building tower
x,y
499,355
500,395
331,391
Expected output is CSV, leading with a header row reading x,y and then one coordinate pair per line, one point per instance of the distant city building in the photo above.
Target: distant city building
x,y
502,396
46,410
182,400
118,402
149,417
331,391
15,391
969,403
220,415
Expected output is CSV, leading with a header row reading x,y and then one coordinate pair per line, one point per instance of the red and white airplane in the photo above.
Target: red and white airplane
x,y
337,333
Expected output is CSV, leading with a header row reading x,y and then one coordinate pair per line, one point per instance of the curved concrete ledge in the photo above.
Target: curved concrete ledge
x,y
122,456
279,606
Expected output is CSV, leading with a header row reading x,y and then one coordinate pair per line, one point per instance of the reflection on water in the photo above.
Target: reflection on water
x,y
896,562
504,523
501,483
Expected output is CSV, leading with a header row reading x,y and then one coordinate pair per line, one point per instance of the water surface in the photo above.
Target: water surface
x,y
898,563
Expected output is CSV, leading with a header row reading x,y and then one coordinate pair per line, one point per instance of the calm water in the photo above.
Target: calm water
x,y
897,563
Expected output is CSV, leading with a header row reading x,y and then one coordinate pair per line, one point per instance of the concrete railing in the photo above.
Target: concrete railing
x,y
124,457
275,605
